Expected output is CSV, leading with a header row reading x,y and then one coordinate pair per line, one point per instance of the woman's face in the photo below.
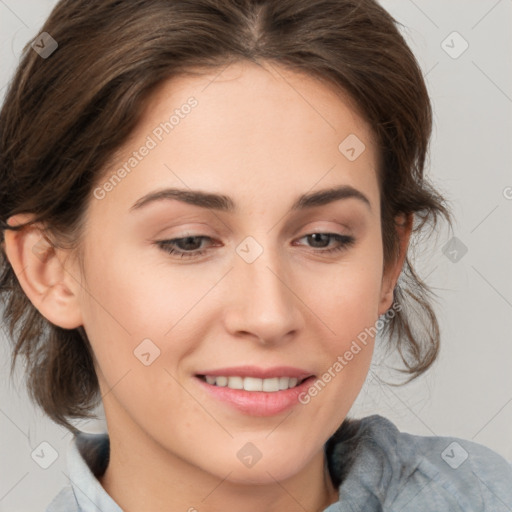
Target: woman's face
x,y
272,280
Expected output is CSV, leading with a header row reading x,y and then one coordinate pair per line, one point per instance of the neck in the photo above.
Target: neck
x,y
170,483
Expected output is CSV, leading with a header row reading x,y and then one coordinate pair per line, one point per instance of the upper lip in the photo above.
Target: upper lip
x,y
260,373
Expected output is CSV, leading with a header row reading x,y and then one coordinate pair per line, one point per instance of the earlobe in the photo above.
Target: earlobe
x,y
403,225
41,274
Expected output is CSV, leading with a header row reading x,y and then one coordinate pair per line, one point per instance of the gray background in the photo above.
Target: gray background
x,y
468,393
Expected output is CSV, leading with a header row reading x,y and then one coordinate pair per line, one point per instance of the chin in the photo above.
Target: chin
x,y
265,468
262,475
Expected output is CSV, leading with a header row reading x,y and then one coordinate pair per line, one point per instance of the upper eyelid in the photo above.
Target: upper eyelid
x,y
200,235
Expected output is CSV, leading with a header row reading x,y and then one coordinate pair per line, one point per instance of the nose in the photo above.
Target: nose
x,y
264,305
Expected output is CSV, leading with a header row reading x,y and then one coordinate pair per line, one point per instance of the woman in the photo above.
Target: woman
x,y
207,207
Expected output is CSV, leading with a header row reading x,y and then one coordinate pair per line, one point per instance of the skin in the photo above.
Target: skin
x,y
262,135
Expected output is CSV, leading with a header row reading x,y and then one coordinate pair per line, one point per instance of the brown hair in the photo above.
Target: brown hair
x,y
64,116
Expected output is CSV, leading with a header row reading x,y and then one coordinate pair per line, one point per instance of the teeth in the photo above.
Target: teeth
x,y
252,383
220,381
270,384
235,383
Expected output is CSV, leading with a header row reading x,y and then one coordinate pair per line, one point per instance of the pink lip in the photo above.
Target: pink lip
x,y
258,403
260,373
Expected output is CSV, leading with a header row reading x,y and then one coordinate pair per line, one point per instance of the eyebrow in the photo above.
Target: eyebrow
x,y
224,203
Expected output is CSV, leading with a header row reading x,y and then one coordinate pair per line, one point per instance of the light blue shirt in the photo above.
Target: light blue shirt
x,y
392,471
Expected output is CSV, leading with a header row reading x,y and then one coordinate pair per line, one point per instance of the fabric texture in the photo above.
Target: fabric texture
x,y
376,467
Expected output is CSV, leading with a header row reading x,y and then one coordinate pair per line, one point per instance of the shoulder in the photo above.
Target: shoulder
x,y
446,469
474,475
421,473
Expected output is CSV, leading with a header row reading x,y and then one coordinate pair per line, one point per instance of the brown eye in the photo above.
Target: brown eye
x,y
321,240
185,247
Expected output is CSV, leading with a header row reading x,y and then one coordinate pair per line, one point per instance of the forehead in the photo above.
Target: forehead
x,y
243,86
254,128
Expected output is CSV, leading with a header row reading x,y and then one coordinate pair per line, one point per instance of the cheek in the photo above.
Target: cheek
x,y
347,295
120,310
346,299
131,294
131,299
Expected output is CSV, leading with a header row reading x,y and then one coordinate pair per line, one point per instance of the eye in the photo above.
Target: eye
x,y
191,246
184,247
322,240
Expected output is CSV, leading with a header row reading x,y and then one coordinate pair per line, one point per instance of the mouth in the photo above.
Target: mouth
x,y
254,391
269,385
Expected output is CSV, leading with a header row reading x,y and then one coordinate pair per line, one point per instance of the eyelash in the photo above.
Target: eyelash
x,y
168,246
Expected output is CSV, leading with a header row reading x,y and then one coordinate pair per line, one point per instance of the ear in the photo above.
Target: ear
x,y
39,267
403,226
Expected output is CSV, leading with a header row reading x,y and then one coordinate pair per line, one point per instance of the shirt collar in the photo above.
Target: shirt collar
x,y
87,458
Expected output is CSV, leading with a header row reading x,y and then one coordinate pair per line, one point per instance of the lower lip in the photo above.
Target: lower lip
x,y
258,403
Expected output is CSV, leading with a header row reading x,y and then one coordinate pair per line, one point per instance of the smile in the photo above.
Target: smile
x,y
270,385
